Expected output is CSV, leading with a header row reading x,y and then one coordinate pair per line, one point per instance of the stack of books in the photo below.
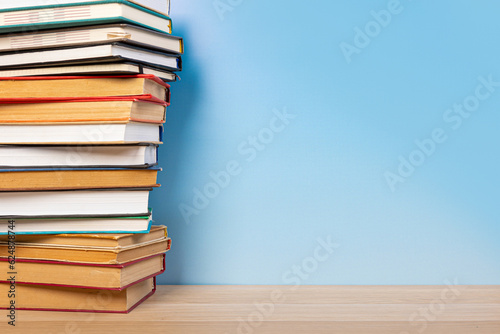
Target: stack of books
x,y
83,96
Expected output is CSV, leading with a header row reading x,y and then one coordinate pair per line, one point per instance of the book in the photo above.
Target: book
x,y
36,156
113,52
82,110
92,69
85,275
71,203
92,35
30,3
66,15
49,88
86,253
115,133
56,298
157,232
112,225
73,178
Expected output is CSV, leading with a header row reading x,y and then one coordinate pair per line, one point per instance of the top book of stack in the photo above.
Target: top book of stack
x,y
81,13
12,4
87,38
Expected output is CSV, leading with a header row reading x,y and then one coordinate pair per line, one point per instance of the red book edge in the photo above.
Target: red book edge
x,y
147,98
91,311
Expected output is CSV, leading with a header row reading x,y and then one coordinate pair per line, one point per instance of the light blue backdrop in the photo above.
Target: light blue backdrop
x,y
383,168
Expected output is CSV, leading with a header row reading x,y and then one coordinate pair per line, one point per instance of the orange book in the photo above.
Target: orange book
x,y
53,87
83,111
89,248
37,297
85,275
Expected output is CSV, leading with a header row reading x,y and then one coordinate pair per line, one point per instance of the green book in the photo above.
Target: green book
x,y
29,19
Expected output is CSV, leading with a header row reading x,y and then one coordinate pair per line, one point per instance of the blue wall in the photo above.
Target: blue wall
x,y
346,151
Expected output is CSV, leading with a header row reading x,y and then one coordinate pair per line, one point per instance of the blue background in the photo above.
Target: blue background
x,y
324,174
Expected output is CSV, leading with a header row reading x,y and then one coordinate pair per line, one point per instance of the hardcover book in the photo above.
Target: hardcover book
x,y
117,240
82,110
22,19
75,225
74,203
24,89
85,248
77,55
86,275
91,69
92,35
31,3
72,178
60,156
37,297
62,133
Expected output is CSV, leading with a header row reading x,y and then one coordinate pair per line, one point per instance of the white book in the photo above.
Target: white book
x,y
161,6
94,69
16,156
89,54
92,34
73,203
132,132
47,16
77,225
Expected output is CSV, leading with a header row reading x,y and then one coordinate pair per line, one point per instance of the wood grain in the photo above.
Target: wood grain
x,y
287,310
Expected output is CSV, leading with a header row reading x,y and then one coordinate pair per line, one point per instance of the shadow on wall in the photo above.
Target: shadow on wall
x,y
165,200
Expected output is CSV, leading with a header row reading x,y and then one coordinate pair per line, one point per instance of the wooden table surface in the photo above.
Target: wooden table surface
x,y
288,310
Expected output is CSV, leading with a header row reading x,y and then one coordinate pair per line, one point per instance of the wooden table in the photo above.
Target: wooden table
x,y
287,310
